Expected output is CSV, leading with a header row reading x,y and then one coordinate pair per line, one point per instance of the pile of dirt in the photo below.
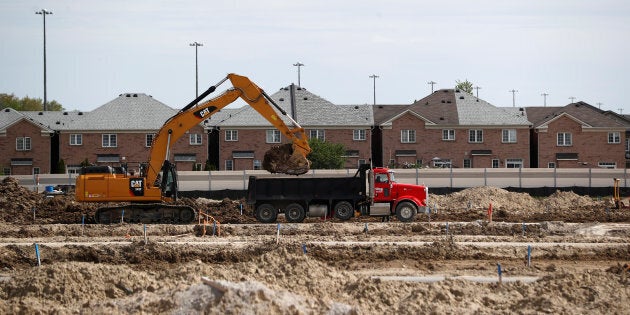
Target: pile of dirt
x,y
284,159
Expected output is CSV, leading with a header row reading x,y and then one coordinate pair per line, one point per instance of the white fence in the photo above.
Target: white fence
x,y
443,177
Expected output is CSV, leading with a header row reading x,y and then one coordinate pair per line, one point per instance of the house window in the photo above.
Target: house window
x,y
36,170
448,134
317,134
229,165
6,171
508,136
392,163
614,137
564,139
467,163
109,141
195,139
361,162
23,143
257,164
231,135
514,163
607,164
76,139
273,136
407,136
148,140
358,134
495,163
475,136
551,165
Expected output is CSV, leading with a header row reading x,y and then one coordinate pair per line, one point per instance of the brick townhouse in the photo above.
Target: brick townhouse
x,y
120,131
577,135
447,128
244,136
451,128
25,144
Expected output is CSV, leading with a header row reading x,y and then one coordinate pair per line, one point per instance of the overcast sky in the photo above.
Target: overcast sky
x,y
97,50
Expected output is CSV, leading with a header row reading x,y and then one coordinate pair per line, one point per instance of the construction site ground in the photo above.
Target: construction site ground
x,y
560,254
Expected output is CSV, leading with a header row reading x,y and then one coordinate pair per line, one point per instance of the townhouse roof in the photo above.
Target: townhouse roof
x,y
9,117
55,120
129,111
580,111
308,109
450,107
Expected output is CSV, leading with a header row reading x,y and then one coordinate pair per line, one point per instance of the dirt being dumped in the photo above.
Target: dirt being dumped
x,y
562,254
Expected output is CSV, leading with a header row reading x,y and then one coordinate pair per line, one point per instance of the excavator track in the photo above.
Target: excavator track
x,y
146,213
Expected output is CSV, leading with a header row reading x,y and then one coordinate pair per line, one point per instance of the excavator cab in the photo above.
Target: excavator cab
x,y
168,184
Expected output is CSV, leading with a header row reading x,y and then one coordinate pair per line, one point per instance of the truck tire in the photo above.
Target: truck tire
x,y
343,210
294,213
405,211
266,213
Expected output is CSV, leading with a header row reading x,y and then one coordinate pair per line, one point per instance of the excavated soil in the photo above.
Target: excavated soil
x,y
561,254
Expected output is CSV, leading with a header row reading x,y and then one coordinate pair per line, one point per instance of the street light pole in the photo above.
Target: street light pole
x,y
513,97
544,95
298,65
44,12
195,44
374,76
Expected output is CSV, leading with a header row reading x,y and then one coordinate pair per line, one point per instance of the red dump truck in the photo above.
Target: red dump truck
x,y
371,191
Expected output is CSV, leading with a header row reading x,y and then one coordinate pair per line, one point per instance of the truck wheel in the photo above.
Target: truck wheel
x,y
294,213
266,213
344,210
405,211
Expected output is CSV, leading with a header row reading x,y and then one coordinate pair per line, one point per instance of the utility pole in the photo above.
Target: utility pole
x,y
374,76
196,45
572,98
513,91
544,95
298,65
44,12
431,83
477,88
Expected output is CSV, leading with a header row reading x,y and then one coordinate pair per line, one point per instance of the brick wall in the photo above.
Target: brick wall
x,y
429,144
39,153
592,146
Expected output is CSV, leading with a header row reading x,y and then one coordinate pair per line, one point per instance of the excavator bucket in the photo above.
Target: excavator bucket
x,y
285,159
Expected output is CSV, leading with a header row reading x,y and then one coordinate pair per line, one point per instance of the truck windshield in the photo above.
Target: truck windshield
x,y
391,177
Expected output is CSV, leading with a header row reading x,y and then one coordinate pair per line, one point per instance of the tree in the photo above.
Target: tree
x,y
326,155
27,103
61,167
465,86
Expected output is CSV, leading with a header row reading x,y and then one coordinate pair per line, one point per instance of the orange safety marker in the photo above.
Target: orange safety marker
x,y
490,212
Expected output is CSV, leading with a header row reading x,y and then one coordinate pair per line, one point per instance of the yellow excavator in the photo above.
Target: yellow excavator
x,y
149,197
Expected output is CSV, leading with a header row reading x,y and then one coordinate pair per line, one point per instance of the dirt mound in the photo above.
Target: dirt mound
x,y
283,159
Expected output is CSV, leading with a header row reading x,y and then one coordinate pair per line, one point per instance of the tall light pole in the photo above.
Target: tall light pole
x,y
432,83
544,95
196,45
298,65
477,88
513,91
44,12
374,76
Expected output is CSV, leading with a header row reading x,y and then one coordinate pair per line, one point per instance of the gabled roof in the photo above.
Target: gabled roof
x,y
585,114
129,111
310,110
449,107
55,120
9,117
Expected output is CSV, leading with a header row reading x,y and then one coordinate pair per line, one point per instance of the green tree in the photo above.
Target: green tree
x,y
85,163
465,86
326,155
27,103
61,167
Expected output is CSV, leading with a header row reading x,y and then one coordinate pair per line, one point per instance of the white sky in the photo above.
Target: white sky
x,y
99,49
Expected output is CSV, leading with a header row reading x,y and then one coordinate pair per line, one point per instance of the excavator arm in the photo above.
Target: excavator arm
x,y
288,159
